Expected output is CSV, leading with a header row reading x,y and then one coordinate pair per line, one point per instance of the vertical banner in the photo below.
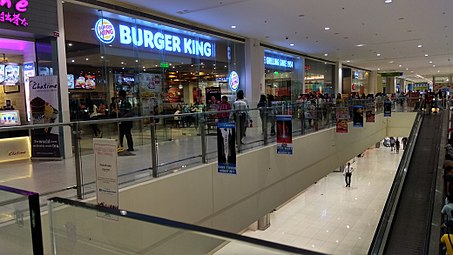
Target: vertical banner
x,y
284,134
342,117
357,117
370,113
226,147
213,95
44,105
106,167
387,109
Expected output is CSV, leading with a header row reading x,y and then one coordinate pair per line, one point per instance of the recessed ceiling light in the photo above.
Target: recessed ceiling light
x,y
412,71
407,69
426,55
102,57
136,61
378,54
291,44
348,61
122,63
438,71
360,45
86,59
144,67
391,62
155,65
73,61
388,1
434,65
327,28
379,69
419,45
325,54
430,62
233,26
70,44
400,65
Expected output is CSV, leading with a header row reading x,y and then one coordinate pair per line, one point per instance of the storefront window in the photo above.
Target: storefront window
x,y
162,69
283,74
359,81
442,83
319,77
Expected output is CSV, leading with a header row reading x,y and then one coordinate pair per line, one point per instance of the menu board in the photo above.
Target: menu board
x,y
70,81
2,73
9,118
11,74
85,82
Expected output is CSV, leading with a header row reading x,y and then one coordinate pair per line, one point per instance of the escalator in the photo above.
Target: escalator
x,y
405,225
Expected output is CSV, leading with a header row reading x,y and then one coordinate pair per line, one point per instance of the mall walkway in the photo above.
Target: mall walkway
x,y
330,218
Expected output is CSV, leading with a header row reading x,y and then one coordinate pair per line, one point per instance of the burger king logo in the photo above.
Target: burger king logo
x,y
233,81
105,31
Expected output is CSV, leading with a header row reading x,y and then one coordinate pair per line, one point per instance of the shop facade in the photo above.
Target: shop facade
x,y
162,68
29,58
357,81
319,77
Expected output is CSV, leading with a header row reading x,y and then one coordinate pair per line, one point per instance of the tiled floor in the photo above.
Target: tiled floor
x,y
330,218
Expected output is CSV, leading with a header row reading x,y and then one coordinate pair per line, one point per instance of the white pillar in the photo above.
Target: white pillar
x,y
339,77
63,77
373,83
254,71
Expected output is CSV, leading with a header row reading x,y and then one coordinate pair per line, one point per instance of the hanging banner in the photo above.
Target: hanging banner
x,y
370,113
106,167
387,109
357,114
226,147
284,134
342,117
44,107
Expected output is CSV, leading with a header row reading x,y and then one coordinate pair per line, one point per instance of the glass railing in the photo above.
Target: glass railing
x,y
170,143
20,221
80,228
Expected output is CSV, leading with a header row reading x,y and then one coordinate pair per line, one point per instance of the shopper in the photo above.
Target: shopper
x,y
397,145
392,143
262,104
447,238
404,141
447,209
347,172
224,105
240,114
125,111
271,113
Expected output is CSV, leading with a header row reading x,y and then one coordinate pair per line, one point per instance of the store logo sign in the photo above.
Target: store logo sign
x,y
271,61
146,38
105,31
233,81
14,16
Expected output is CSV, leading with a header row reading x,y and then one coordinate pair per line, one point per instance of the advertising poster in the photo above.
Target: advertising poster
x,y
12,74
357,117
150,90
284,134
387,109
106,167
29,71
342,117
44,107
370,113
226,147
213,96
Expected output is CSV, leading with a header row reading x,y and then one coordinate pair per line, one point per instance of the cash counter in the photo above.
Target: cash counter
x,y
14,144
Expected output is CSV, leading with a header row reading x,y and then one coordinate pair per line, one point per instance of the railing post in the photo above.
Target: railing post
x,y
203,138
265,114
77,157
154,149
238,130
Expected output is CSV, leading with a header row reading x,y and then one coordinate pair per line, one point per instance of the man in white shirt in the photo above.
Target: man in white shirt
x,y
347,172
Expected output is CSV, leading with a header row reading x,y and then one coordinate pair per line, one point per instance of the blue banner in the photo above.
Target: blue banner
x,y
357,113
226,147
387,109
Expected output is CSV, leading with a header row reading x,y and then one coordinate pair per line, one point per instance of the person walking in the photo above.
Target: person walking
x,y
347,172
262,104
392,143
125,127
404,141
397,145
241,114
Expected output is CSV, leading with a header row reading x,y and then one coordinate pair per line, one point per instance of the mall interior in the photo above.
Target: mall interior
x,y
123,128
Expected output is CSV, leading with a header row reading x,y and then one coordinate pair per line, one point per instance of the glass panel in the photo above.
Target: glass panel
x,y
77,230
15,231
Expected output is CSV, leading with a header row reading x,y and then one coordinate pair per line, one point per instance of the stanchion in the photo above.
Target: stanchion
x,y
154,149
77,157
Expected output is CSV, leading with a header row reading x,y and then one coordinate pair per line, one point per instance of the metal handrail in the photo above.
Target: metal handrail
x,y
383,229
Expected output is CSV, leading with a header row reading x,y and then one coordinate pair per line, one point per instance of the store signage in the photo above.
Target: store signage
x,y
278,62
147,38
16,148
13,15
106,166
233,81
393,74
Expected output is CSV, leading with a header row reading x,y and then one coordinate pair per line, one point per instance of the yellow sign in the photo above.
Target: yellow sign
x,y
16,148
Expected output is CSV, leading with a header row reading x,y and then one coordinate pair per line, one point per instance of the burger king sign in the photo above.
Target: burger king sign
x,y
105,31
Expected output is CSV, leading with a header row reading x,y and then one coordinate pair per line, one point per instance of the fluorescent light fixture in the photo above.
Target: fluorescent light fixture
x,y
291,44
378,54
388,1
360,45
419,45
233,26
327,28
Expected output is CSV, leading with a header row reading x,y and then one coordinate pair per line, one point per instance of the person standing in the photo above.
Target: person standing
x,y
397,145
241,114
392,143
404,141
124,111
347,172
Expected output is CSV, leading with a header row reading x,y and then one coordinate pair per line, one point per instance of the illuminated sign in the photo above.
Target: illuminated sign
x,y
153,39
105,31
13,16
271,61
233,81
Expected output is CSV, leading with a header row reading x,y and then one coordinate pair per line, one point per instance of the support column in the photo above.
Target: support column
x,y
264,222
373,83
339,77
254,71
63,77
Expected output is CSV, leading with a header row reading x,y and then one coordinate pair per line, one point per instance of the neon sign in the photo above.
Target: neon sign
x,y
233,81
278,62
152,39
12,16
